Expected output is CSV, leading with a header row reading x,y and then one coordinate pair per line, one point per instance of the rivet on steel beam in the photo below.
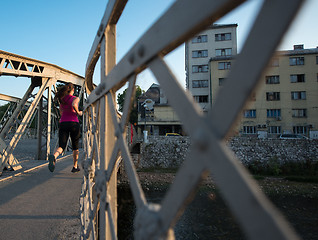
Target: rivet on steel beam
x,y
141,51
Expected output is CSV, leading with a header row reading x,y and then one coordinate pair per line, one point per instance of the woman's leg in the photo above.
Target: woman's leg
x,y
75,158
52,158
58,152
75,136
63,136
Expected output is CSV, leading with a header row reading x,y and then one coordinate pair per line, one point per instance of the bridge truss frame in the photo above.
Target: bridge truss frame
x,y
44,76
105,143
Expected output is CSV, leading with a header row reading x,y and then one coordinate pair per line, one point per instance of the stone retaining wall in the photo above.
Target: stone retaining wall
x,y
170,152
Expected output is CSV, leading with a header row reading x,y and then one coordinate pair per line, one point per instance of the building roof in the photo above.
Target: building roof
x,y
214,26
298,52
281,53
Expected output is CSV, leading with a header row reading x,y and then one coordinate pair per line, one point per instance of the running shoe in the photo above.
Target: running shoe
x,y
75,169
52,161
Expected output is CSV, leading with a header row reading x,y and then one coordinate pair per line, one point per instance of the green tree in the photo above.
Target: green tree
x,y
133,118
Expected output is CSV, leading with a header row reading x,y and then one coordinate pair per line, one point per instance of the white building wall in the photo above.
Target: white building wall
x,y
211,46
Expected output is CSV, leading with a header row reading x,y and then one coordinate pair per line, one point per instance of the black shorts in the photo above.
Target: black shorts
x,y
69,129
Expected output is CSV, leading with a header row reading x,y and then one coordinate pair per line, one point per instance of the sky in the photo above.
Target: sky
x,y
62,33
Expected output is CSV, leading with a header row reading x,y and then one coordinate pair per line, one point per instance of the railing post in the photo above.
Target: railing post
x,y
39,130
49,121
107,136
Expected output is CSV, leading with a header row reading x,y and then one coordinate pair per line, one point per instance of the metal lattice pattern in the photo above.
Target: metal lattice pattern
x,y
183,20
43,75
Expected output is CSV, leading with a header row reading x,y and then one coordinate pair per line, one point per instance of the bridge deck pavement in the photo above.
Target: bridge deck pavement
x,y
41,205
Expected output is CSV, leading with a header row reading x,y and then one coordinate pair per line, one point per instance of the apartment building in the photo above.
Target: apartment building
x,y
216,41
286,101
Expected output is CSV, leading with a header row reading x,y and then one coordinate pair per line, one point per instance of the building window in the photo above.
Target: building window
x,y
295,78
200,68
301,95
316,59
223,52
300,129
272,79
272,96
299,113
221,81
273,113
200,54
275,130
274,62
201,98
223,37
249,129
200,84
293,61
251,113
224,65
200,39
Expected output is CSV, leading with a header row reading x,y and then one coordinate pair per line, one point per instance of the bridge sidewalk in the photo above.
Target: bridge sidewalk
x,y
39,204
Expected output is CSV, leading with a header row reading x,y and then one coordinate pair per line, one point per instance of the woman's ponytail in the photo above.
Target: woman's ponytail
x,y
63,91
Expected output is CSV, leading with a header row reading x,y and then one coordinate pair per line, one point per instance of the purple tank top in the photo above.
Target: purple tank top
x,y
68,113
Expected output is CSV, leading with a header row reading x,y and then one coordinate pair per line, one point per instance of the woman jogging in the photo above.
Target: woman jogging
x,y
69,125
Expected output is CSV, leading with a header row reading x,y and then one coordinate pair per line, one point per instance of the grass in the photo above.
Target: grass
x,y
306,179
297,171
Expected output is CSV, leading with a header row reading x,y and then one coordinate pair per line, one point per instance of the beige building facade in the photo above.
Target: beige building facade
x,y
287,98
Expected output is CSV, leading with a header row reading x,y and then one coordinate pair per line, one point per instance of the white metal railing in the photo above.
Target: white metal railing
x,y
105,143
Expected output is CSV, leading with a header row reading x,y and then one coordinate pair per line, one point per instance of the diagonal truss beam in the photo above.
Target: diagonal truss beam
x,y
17,111
257,216
14,141
239,191
137,192
223,166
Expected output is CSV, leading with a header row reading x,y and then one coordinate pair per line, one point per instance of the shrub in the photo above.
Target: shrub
x,y
273,167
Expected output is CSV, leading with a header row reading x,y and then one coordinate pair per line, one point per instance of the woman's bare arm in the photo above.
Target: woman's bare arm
x,y
75,106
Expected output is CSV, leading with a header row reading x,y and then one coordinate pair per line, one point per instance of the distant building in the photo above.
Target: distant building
x,y
287,100
216,41
160,118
